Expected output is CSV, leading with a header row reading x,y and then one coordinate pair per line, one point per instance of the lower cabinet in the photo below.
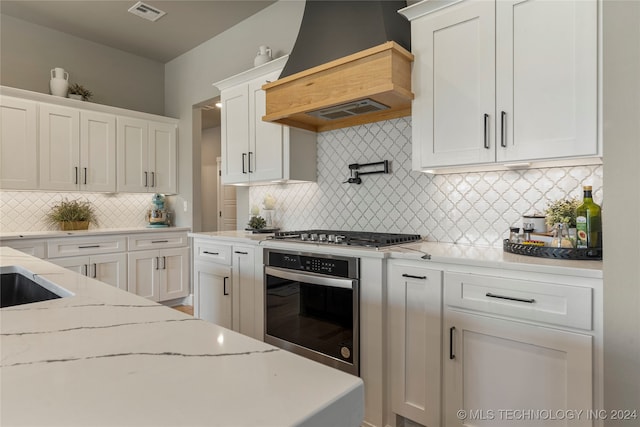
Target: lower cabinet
x,y
212,299
159,275
495,369
108,268
244,284
415,311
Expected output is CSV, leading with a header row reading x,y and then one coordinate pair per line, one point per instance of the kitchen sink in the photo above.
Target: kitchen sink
x,y
21,286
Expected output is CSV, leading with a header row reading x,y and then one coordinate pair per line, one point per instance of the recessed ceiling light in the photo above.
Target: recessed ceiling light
x,y
147,12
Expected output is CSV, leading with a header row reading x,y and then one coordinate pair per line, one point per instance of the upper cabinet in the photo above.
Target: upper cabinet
x,y
504,84
18,144
58,144
146,156
77,149
254,151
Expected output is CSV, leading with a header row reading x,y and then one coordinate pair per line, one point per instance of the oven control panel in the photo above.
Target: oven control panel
x,y
338,267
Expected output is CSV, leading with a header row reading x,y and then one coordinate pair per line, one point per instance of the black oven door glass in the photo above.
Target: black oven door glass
x,y
313,316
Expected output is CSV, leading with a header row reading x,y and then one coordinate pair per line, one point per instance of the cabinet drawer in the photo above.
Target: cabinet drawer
x,y
74,246
204,250
36,248
138,242
543,302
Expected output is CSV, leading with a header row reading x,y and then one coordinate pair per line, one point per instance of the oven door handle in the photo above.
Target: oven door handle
x,y
308,278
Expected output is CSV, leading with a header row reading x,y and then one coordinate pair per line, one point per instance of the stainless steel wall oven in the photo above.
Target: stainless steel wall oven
x,y
312,306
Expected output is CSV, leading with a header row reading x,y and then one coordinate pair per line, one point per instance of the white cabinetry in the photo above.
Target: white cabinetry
x,y
228,286
33,247
161,273
415,313
146,156
516,345
100,257
77,149
254,151
504,83
108,268
18,144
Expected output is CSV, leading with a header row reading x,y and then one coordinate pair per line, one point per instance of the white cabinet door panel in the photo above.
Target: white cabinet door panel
x,y
18,144
235,134
212,293
453,77
133,155
547,80
162,158
97,152
143,272
59,147
175,273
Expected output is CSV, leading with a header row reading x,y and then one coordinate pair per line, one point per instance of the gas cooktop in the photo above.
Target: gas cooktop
x,y
347,238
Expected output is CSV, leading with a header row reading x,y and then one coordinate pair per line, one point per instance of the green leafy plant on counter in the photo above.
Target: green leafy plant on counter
x,y
563,211
71,211
257,223
78,89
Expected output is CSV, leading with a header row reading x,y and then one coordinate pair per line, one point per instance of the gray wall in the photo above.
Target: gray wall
x,y
189,79
621,99
117,78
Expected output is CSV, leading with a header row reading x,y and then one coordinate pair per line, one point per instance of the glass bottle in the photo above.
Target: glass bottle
x,y
588,222
514,234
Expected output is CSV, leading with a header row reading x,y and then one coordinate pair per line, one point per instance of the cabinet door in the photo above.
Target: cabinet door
x,y
174,282
266,140
133,155
78,264
162,158
235,134
212,293
143,274
110,269
36,248
18,144
454,84
415,301
494,365
547,63
97,152
244,290
59,148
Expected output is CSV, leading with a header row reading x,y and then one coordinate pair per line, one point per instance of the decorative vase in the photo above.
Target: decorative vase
x,y
264,56
269,215
74,225
59,83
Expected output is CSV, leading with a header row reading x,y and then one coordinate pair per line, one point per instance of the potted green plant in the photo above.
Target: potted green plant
x,y
562,211
72,215
78,91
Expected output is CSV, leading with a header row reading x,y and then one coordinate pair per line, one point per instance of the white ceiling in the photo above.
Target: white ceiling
x,y
187,23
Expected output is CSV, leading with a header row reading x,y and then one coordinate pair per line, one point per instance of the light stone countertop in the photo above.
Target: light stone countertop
x,y
52,234
445,253
108,357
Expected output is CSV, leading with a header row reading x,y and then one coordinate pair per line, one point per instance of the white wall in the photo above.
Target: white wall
x,y
189,78
621,207
28,52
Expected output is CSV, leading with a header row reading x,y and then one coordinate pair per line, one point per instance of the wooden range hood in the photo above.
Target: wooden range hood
x,y
339,93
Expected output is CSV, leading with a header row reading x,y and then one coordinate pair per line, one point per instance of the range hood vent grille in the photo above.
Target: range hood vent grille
x,y
349,109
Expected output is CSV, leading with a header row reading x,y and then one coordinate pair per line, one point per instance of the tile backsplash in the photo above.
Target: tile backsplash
x,y
469,208
25,210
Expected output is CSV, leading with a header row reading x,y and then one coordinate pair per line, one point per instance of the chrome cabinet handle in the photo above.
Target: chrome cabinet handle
x,y
244,156
503,130
527,300
410,276
224,286
486,131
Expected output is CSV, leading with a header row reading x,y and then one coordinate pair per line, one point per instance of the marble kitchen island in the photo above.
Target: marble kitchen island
x,y
107,357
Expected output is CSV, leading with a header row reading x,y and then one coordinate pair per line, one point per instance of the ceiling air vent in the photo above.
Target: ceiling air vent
x,y
147,12
349,109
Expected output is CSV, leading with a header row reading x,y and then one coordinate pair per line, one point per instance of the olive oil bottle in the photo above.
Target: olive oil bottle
x,y
588,222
